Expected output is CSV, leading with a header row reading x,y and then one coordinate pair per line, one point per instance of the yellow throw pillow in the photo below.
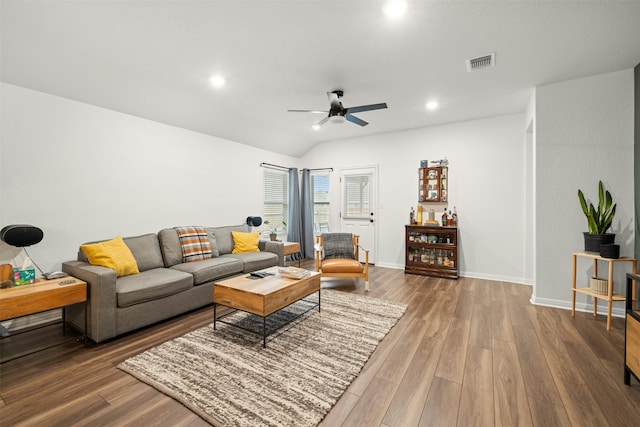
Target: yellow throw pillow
x,y
113,254
245,242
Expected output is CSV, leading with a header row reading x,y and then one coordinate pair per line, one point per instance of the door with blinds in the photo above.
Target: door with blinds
x,y
358,210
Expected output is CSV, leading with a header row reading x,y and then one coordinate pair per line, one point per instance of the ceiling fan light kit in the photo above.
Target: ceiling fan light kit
x,y
338,113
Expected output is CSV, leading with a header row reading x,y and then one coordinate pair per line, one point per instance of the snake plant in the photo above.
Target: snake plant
x,y
599,220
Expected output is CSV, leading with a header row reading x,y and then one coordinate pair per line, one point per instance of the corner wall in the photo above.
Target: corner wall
x,y
85,173
486,181
584,133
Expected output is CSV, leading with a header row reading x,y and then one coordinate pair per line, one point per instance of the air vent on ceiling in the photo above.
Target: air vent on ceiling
x,y
484,61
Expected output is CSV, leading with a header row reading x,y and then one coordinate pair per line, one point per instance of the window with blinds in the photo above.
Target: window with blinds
x,y
276,197
320,191
356,197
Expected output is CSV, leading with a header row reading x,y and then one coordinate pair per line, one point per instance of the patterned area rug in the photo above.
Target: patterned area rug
x,y
228,378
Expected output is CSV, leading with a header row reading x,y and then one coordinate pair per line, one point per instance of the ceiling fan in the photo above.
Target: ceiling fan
x,y
338,114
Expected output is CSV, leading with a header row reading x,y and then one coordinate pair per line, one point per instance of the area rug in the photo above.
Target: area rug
x,y
227,377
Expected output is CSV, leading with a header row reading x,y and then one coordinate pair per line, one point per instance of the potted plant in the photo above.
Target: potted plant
x,y
273,231
598,220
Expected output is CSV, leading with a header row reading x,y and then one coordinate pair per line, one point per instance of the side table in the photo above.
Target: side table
x,y
43,295
292,248
610,297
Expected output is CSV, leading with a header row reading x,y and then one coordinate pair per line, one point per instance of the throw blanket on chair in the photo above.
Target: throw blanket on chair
x,y
338,245
195,244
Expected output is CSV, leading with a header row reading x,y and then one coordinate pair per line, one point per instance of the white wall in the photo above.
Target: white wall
x,y
584,133
485,184
82,173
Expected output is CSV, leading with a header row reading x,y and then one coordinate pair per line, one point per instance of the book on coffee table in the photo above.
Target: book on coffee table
x,y
293,272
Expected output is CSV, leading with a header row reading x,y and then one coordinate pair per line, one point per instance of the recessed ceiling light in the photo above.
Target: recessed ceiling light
x,y
217,81
315,127
394,9
431,105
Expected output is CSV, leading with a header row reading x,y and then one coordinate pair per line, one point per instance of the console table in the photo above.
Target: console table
x,y
632,331
44,295
610,297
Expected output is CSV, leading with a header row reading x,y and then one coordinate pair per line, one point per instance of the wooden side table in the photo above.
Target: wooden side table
x,y
291,248
610,297
43,295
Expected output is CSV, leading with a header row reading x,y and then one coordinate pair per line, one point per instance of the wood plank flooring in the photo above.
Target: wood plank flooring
x,y
469,352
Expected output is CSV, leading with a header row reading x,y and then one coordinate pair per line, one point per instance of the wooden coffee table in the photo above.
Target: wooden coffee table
x,y
263,296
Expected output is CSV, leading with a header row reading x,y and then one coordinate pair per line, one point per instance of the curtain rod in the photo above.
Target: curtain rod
x,y
322,169
264,164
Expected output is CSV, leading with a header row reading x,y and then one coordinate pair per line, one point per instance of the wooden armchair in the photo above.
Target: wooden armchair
x,y
338,255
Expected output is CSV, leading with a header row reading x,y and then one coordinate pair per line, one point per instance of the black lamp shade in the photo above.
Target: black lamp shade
x,y
254,221
20,235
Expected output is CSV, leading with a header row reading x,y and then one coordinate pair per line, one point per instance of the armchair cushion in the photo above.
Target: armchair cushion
x,y
341,265
338,245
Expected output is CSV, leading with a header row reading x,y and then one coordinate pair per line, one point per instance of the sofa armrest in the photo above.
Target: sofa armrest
x,y
275,247
101,299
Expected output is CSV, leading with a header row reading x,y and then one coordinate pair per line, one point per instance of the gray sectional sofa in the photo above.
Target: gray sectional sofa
x,y
165,286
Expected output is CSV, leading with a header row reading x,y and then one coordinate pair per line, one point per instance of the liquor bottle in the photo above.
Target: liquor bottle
x,y
444,217
449,219
455,216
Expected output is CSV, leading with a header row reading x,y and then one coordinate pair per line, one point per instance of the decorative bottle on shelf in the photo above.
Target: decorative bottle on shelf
x,y
444,217
419,215
455,216
449,219
412,216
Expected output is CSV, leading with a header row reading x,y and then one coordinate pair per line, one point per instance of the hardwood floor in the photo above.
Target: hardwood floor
x,y
466,352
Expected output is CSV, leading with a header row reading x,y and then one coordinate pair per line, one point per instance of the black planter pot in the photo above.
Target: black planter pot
x,y
608,250
592,242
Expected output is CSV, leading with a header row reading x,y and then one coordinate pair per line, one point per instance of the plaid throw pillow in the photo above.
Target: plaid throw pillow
x,y
194,242
338,245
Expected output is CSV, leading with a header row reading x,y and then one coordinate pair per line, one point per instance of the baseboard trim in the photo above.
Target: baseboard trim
x,y
580,306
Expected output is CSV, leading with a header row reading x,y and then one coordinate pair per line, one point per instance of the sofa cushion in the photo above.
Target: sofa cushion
x,y
146,251
150,285
113,254
210,269
224,238
245,242
194,243
171,249
253,261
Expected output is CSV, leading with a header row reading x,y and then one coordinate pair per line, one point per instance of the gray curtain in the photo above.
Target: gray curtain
x,y
294,226
307,243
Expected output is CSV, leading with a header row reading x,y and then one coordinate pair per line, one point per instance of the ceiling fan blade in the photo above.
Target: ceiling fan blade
x,y
307,111
361,108
354,119
323,121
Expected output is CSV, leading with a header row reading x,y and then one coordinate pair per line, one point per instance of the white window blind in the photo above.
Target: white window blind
x,y
357,197
276,197
321,207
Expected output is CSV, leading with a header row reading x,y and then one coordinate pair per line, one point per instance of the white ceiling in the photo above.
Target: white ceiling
x,y
153,59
